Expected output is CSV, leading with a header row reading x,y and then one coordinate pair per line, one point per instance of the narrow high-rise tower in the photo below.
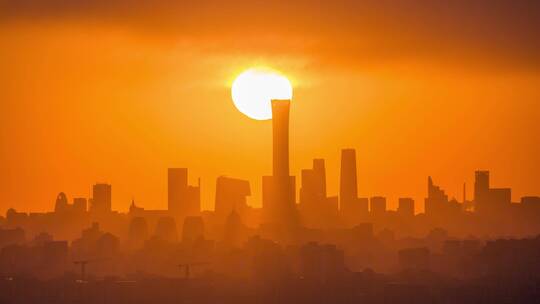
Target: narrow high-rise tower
x,y
280,137
348,188
481,185
101,199
182,199
177,183
279,189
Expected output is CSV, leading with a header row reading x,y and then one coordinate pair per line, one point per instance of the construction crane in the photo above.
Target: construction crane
x,y
187,267
83,264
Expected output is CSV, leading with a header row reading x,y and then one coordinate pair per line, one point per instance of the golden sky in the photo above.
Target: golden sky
x,y
118,91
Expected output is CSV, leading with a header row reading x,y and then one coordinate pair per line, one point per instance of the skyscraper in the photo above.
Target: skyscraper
x,y
377,206
280,138
320,176
101,198
405,207
313,187
437,200
182,199
279,189
176,187
481,185
487,200
348,187
315,208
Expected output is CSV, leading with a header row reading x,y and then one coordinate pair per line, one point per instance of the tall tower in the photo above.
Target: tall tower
x,y
182,199
280,137
313,187
481,190
279,189
481,185
101,198
177,184
320,175
348,191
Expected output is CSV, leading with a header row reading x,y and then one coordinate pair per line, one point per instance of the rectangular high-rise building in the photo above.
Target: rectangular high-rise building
x,y
436,204
377,205
313,188
481,185
101,198
280,138
177,184
405,207
490,201
182,199
316,209
348,187
279,189
319,170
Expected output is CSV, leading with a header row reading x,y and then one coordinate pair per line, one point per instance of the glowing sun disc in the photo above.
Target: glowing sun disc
x,y
254,88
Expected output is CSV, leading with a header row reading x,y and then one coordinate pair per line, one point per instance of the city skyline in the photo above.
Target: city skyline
x,y
350,185
247,151
345,162
232,194
392,204
119,114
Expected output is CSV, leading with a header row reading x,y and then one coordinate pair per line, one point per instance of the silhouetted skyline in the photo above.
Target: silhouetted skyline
x,y
277,152
418,88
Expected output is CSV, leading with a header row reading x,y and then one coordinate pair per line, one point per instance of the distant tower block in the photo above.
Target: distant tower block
x,y
348,188
101,198
279,189
405,207
377,205
481,184
182,199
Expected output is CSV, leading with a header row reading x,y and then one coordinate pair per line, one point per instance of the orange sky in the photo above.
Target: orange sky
x,y
120,92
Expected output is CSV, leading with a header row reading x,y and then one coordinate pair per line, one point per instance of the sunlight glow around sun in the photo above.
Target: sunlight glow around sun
x,y
254,88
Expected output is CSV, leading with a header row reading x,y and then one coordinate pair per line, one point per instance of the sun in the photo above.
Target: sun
x,y
254,88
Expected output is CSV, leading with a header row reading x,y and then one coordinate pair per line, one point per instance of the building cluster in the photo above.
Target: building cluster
x,y
316,240
282,217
